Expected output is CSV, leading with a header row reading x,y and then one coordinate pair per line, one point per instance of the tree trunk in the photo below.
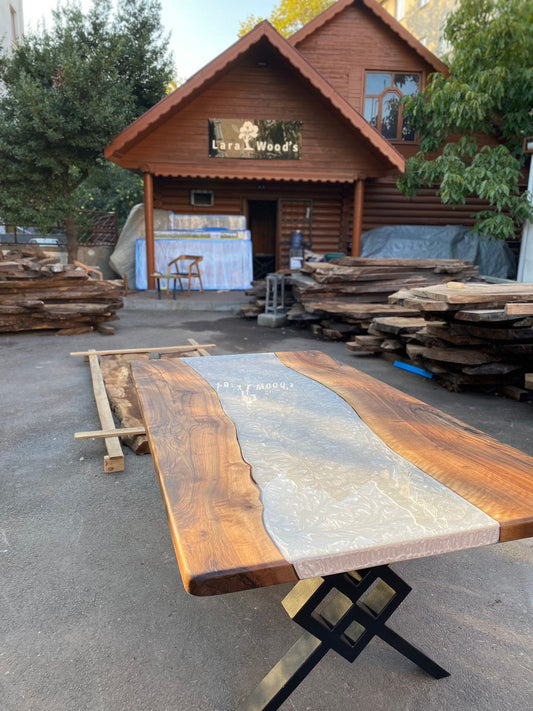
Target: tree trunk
x,y
72,239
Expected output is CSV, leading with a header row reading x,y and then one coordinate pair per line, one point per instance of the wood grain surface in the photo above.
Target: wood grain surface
x,y
212,503
496,478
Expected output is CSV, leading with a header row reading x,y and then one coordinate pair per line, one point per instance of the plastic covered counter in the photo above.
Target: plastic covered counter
x,y
222,240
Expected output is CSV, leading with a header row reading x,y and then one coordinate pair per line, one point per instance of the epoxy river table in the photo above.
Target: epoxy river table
x,y
287,467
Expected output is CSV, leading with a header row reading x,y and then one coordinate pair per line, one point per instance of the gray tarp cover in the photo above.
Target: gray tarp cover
x,y
493,257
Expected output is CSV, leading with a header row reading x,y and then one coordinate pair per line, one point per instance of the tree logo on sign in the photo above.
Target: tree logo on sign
x,y
248,131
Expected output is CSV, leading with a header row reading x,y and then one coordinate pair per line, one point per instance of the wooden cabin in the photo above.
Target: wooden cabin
x,y
304,134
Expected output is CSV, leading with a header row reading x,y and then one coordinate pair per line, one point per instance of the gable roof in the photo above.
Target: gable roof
x,y
261,34
373,5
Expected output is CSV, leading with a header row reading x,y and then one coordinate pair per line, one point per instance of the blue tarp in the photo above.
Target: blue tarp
x,y
493,257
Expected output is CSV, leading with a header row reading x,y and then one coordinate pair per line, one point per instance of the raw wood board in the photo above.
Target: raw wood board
x,y
410,263
488,316
354,310
477,293
116,372
398,324
519,309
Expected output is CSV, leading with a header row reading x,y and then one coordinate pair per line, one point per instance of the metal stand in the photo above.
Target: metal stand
x,y
341,612
275,294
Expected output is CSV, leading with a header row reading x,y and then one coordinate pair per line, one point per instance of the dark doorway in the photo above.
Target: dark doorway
x,y
262,221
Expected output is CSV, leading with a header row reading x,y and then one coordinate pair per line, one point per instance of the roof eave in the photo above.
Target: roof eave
x,y
374,6
183,93
209,73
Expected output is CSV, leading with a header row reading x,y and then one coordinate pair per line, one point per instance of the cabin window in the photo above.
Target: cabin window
x,y
383,94
14,24
202,198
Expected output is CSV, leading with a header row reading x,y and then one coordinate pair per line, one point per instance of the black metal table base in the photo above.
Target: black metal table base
x,y
342,612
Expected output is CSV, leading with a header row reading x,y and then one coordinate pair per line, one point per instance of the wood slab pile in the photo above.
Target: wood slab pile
x,y
38,292
343,296
466,335
115,393
256,306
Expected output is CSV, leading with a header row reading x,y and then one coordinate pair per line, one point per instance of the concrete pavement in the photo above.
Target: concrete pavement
x,y
94,616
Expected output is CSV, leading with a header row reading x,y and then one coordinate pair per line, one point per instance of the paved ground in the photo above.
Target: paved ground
x,y
94,616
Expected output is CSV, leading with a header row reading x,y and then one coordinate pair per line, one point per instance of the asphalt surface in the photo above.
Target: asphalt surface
x,y
94,615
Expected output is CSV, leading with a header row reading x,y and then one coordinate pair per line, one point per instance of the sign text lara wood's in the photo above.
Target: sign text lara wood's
x,y
255,138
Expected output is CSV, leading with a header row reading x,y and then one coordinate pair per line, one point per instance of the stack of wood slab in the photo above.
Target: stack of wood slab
x,y
256,306
38,292
465,335
347,293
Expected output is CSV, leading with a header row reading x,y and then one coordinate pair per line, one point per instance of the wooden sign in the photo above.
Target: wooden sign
x,y
255,138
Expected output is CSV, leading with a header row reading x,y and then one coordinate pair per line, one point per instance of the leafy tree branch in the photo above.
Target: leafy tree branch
x,y
489,90
288,16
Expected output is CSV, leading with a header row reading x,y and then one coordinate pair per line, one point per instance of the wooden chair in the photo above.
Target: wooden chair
x,y
90,271
186,266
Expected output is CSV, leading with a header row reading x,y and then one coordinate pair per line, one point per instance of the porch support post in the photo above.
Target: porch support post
x,y
358,199
149,227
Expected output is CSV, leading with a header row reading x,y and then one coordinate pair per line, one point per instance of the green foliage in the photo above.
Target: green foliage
x,y
489,90
288,16
142,57
67,92
109,188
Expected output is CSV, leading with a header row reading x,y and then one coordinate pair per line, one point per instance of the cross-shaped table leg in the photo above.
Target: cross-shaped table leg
x,y
342,612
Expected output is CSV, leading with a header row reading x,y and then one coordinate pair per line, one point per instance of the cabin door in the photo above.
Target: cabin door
x,y
263,224
295,216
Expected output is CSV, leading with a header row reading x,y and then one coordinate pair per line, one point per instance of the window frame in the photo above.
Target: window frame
x,y
202,198
400,9
392,88
14,24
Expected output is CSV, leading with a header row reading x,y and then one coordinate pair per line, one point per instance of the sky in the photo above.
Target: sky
x,y
200,29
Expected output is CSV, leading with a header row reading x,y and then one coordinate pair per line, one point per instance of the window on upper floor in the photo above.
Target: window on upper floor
x,y
383,108
421,3
14,23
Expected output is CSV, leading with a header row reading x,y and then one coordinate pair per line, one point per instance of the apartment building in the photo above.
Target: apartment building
x,y
11,23
424,19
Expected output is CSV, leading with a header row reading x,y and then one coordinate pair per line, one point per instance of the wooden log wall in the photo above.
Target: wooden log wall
x,y
329,220
332,207
377,47
385,206
260,85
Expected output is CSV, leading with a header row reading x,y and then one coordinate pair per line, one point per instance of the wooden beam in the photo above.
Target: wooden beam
x,y
201,349
162,349
519,309
114,460
358,199
118,432
149,228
